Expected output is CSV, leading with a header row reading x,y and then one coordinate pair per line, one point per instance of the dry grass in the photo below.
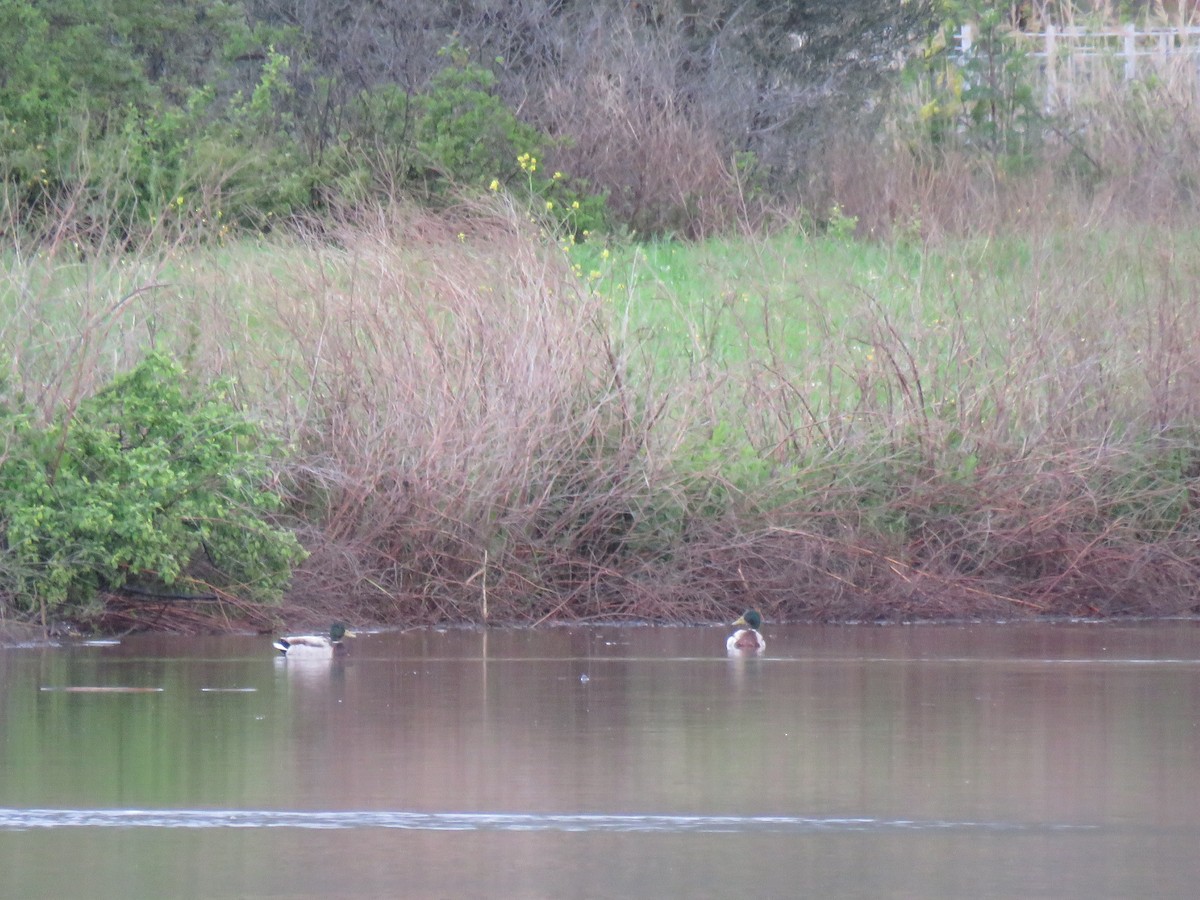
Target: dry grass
x,y
482,445
467,443
628,130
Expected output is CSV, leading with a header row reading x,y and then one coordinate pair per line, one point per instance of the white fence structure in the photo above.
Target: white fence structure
x,y
1071,55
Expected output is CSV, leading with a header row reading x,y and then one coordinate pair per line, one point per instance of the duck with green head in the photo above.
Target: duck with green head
x,y
747,636
315,646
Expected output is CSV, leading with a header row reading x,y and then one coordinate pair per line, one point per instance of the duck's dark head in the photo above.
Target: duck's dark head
x,y
751,619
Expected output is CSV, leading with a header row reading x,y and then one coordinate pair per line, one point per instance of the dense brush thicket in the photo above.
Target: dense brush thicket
x,y
254,110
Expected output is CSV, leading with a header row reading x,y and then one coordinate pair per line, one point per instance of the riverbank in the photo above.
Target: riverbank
x,y
472,423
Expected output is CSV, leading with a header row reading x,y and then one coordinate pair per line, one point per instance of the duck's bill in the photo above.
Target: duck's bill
x,y
741,620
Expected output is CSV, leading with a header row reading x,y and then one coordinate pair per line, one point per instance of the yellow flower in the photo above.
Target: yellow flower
x,y
462,237
549,205
495,185
574,204
604,254
557,175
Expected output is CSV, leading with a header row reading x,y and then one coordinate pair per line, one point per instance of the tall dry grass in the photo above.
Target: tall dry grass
x,y
469,447
74,290
1031,448
653,146
479,439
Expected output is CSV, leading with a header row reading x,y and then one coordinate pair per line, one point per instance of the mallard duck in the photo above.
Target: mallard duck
x,y
315,646
747,638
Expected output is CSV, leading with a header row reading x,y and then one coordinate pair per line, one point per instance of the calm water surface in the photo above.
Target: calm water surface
x,y
1055,761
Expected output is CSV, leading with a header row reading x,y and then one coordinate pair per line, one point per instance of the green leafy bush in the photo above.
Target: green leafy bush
x,y
465,135
464,132
143,482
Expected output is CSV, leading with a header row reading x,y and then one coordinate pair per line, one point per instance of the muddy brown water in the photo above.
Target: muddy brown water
x,y
1048,760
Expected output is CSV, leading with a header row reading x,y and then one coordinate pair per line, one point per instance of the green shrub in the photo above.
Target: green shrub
x,y
464,132
465,135
142,483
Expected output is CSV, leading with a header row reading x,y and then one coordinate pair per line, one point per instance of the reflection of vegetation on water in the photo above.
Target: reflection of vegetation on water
x,y
177,747
988,732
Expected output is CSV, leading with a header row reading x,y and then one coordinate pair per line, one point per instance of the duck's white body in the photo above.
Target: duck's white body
x,y
746,639
305,646
314,646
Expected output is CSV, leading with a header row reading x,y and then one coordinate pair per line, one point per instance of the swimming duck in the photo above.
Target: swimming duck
x,y
747,638
315,646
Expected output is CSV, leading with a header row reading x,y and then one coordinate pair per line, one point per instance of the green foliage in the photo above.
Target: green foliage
x,y
998,95
249,157
566,210
375,144
112,112
64,55
841,227
465,135
464,132
136,486
721,470
983,98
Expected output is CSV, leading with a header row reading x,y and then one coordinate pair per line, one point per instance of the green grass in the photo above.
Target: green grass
x,y
726,301
826,307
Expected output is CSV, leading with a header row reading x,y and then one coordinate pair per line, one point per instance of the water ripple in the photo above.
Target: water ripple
x,y
34,819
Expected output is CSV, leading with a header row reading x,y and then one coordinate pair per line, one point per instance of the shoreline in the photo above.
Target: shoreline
x,y
20,632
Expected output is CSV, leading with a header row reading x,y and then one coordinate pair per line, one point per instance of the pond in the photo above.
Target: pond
x,y
931,761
